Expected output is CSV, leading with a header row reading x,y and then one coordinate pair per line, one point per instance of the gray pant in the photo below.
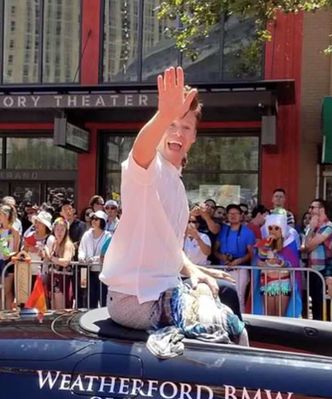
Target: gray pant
x,y
125,310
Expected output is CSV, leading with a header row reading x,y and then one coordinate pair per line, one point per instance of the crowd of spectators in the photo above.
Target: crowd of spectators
x,y
265,237
53,237
231,236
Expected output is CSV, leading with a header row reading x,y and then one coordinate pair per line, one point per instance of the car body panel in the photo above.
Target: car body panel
x,y
70,362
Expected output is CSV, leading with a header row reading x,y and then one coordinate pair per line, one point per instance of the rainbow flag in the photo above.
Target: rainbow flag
x,y
37,297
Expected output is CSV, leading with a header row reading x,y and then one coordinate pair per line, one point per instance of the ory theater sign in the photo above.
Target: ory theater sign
x,y
109,100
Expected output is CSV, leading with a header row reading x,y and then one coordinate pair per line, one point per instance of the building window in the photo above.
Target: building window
x,y
61,26
38,153
17,27
133,54
158,50
120,47
225,168
60,23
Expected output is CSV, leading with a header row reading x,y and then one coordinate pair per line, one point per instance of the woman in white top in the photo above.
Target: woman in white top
x,y
9,244
35,242
89,252
197,246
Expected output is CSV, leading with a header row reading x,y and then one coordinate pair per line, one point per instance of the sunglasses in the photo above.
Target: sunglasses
x,y
275,228
192,221
111,207
94,218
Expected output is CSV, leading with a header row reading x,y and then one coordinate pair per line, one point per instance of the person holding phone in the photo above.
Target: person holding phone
x,y
318,245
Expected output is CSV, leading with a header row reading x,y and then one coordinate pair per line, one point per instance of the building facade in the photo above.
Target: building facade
x,y
93,65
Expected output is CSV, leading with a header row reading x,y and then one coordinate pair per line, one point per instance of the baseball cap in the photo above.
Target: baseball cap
x,y
110,203
99,215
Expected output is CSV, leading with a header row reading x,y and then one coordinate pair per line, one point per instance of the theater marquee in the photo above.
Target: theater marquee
x,y
114,100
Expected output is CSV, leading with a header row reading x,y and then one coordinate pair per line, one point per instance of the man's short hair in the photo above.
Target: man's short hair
x,y
322,203
259,209
234,206
66,201
210,200
280,189
196,105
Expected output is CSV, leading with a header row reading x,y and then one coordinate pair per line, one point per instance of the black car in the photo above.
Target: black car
x,y
86,355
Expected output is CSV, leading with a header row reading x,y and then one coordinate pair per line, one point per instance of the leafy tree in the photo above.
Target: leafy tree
x,y
195,18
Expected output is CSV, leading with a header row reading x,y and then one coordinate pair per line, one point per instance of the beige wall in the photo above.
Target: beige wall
x,y
316,83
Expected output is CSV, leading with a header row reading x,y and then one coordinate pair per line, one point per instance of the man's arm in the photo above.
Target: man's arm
x,y
172,104
213,226
312,240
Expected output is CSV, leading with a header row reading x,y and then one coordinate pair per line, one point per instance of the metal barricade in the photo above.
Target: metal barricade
x,y
305,272
82,288
75,283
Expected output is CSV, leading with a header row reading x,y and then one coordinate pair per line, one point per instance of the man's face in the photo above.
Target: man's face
x,y
234,216
67,212
178,138
261,218
279,199
111,211
315,209
220,214
210,207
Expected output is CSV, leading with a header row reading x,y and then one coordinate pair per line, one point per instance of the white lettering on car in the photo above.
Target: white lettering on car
x,y
132,387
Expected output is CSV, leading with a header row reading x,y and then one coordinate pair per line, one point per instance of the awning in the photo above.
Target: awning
x,y
222,101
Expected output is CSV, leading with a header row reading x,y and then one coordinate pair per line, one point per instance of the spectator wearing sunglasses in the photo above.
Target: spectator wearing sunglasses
x,y
111,208
275,291
97,203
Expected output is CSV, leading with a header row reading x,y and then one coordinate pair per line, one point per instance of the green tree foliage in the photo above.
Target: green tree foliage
x,y
195,18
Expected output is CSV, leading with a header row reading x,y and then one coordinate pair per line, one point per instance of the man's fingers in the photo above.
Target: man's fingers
x,y
169,78
194,282
229,278
211,282
179,77
160,83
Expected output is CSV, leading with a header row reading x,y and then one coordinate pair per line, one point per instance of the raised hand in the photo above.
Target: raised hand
x,y
172,103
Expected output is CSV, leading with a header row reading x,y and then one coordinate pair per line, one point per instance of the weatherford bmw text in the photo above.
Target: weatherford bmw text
x,y
131,387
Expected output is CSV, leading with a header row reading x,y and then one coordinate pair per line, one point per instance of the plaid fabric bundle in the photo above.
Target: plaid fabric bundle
x,y
197,314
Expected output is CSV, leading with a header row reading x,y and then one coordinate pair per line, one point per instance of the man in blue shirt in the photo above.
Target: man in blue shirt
x,y
233,248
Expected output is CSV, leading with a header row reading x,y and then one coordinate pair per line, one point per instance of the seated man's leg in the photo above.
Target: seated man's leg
x,y
228,295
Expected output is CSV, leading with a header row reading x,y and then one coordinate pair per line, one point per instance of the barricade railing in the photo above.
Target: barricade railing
x,y
78,286
74,286
305,286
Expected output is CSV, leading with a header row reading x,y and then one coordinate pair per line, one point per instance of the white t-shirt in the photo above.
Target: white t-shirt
x,y
37,268
145,257
90,248
193,251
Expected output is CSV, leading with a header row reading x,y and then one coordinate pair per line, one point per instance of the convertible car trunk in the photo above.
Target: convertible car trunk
x,y
296,335
278,333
